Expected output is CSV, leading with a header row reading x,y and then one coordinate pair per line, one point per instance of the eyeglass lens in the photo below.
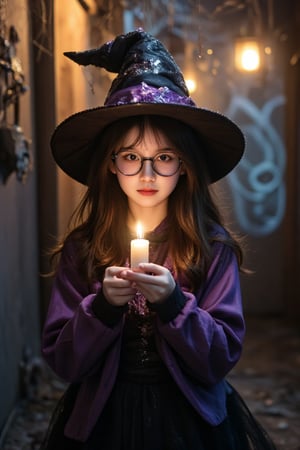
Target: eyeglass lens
x,y
131,163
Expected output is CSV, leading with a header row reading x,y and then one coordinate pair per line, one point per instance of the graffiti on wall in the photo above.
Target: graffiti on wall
x,y
257,184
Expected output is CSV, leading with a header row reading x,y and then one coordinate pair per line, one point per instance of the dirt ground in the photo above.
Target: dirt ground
x,y
267,377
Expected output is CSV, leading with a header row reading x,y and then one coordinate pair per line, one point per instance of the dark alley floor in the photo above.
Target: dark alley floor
x,y
267,377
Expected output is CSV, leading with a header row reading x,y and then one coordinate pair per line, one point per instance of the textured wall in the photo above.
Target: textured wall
x,y
19,279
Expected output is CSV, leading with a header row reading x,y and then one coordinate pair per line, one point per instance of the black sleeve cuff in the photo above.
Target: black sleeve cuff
x,y
109,314
171,307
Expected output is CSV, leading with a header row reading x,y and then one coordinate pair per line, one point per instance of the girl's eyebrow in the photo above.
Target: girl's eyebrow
x,y
159,150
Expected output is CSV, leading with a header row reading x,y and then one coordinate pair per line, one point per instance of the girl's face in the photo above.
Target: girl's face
x,y
147,191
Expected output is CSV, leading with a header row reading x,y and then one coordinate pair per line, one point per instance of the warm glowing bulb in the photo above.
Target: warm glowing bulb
x,y
191,85
250,59
247,55
268,50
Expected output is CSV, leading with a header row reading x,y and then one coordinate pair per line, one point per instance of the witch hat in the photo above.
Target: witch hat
x,y
149,82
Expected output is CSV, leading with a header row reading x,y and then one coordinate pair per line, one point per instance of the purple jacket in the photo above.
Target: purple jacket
x,y
199,346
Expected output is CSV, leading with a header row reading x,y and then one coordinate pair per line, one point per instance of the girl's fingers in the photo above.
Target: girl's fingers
x,y
147,278
152,268
155,282
116,289
113,278
113,271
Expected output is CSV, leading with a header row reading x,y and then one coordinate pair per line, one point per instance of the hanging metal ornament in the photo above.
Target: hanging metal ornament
x,y
14,147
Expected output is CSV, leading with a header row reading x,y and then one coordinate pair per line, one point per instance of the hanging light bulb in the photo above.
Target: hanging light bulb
x,y
247,54
190,68
191,84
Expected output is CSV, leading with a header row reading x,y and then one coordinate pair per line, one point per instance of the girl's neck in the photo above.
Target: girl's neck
x,y
149,220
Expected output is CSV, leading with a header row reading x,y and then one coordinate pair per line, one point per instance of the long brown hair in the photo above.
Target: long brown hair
x,y
98,222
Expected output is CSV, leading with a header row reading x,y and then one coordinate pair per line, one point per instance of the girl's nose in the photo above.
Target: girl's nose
x,y
147,172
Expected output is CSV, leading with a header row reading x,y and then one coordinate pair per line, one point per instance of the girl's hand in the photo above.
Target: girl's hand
x,y
117,290
155,282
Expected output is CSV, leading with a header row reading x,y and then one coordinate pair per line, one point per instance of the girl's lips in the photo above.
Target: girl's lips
x,y
147,191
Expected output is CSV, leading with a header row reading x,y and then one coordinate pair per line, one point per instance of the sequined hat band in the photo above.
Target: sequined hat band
x,y
143,93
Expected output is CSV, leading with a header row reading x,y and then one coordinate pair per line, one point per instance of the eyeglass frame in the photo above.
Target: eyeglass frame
x,y
115,155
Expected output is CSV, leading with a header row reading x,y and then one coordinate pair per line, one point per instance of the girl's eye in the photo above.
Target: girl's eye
x,y
165,157
130,156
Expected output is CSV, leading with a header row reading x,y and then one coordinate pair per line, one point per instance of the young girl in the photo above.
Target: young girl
x,y
146,349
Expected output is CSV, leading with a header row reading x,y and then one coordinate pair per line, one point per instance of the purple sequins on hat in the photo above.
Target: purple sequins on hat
x,y
142,93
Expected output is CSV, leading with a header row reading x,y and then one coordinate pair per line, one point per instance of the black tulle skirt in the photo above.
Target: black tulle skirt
x,y
147,411
157,417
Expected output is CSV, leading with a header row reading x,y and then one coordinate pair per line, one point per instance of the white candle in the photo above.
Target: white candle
x,y
139,249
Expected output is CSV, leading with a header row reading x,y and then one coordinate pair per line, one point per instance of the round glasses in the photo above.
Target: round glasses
x,y
131,163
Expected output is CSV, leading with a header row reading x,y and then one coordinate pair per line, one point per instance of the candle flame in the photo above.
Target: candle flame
x,y
139,230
